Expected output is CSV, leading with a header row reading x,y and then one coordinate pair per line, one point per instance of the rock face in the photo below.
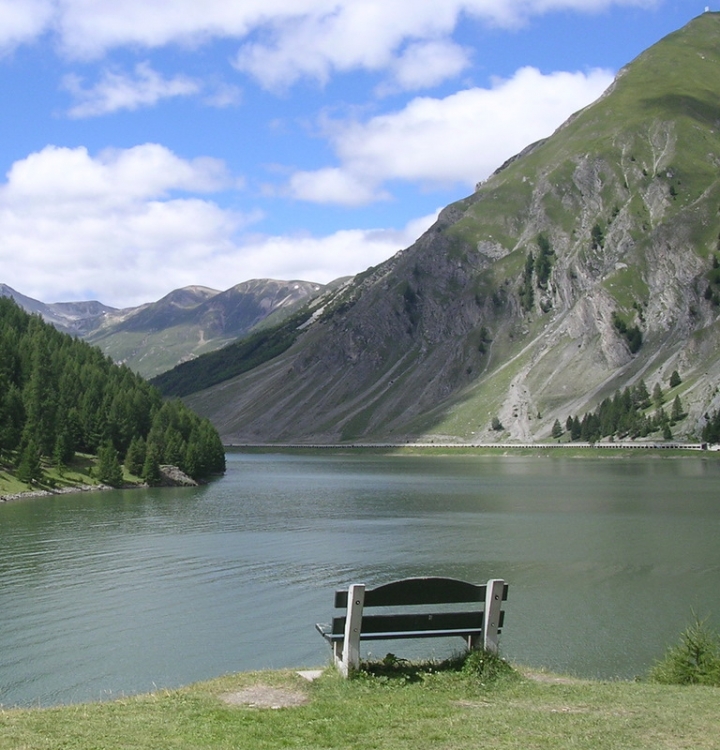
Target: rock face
x,y
172,476
513,304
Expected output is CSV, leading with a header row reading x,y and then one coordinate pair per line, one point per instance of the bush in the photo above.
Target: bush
x,y
693,661
488,667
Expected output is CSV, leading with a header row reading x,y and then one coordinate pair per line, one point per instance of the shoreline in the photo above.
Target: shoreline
x,y
70,490
172,477
652,445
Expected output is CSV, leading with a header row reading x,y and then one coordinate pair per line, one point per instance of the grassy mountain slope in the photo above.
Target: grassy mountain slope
x,y
520,301
191,321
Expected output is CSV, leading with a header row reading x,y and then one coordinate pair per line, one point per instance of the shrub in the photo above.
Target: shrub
x,y
693,661
488,667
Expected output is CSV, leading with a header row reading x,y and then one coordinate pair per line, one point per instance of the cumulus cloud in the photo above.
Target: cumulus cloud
x,y
426,64
460,139
128,226
408,38
115,91
116,223
323,258
284,40
23,20
333,185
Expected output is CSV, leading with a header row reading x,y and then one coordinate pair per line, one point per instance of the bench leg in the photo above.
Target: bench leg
x,y
493,605
350,658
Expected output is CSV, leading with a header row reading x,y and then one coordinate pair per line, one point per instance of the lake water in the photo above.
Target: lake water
x,y
111,593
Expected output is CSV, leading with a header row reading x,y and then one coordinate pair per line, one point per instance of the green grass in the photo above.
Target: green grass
x,y
80,472
438,710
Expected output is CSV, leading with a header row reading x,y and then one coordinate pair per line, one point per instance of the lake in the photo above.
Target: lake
x,y
112,593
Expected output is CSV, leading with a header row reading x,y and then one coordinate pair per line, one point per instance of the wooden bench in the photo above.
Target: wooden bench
x,y
478,623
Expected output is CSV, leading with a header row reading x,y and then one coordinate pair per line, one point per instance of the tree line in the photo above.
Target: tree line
x,y
626,414
59,396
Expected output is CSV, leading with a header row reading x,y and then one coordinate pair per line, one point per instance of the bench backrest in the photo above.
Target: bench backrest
x,y
415,592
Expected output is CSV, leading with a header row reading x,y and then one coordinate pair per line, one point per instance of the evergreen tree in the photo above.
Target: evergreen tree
x,y
63,453
135,456
39,396
640,396
557,430
677,413
12,427
657,396
109,469
29,468
151,468
59,395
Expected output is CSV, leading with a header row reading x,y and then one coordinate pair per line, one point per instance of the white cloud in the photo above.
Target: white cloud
x,y
71,223
284,40
408,38
332,185
116,91
426,64
23,20
459,139
112,227
322,259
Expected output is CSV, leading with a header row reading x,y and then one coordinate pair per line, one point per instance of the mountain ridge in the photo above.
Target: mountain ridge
x,y
156,336
519,305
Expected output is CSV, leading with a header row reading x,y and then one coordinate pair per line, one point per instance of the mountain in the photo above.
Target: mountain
x,y
587,264
68,317
157,336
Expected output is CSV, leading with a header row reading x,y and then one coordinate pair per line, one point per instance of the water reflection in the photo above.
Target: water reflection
x,y
117,592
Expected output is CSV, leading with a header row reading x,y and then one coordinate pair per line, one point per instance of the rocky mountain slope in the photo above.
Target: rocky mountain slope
x,y
157,336
586,264
69,317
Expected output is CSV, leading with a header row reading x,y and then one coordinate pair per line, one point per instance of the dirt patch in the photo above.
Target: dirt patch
x,y
552,679
263,696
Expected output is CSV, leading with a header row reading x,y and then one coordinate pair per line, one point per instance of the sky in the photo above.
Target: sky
x,y
149,145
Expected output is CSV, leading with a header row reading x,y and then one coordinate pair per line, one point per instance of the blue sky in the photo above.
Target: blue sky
x,y
153,144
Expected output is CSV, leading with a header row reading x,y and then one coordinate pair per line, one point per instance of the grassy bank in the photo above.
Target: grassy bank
x,y
443,711
82,472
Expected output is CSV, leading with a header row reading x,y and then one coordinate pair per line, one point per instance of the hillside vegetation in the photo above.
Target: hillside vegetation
x,y
60,397
582,267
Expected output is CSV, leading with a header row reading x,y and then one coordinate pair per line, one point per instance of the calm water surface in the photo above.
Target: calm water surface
x,y
112,593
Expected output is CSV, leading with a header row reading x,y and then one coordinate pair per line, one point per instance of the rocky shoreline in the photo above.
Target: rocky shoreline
x,y
47,493
172,476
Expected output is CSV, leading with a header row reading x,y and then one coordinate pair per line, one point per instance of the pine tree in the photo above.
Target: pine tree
x,y
135,456
63,452
677,412
151,468
675,379
557,429
109,469
29,468
657,395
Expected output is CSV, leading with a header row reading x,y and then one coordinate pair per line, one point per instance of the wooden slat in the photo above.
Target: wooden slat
x,y
414,591
419,622
473,623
